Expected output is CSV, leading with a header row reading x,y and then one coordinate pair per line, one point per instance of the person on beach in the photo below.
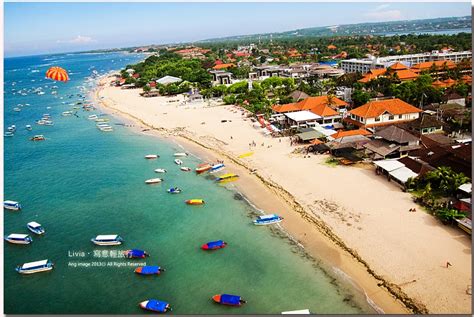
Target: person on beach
x,y
448,264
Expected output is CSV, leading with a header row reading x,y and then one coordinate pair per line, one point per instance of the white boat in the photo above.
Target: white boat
x,y
28,127
267,220
8,134
178,161
296,312
40,122
16,109
16,238
151,156
12,128
180,154
11,205
153,181
35,227
216,168
92,117
110,239
160,170
185,169
35,267
66,113
101,120
106,129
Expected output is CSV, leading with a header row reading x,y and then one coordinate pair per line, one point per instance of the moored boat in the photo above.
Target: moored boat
x,y
135,254
153,181
28,127
92,117
227,299
185,169
267,219
180,154
8,134
66,113
214,245
178,161
195,202
160,170
110,239
296,312
35,227
16,109
38,137
11,205
155,305
17,238
216,168
174,190
35,267
201,168
149,270
151,156
227,177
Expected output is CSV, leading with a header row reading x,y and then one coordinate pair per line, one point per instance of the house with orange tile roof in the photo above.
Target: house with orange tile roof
x,y
223,66
427,66
398,69
341,133
466,79
332,47
382,112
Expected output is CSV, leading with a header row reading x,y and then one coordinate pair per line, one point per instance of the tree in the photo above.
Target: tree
x,y
447,216
360,97
146,88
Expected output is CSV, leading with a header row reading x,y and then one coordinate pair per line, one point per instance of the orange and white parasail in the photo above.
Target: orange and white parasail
x,y
57,73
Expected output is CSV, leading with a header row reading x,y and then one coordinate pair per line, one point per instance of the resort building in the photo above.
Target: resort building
x,y
382,112
221,77
193,52
397,70
166,80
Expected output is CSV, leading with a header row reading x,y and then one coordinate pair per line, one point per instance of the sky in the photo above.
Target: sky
x,y
37,28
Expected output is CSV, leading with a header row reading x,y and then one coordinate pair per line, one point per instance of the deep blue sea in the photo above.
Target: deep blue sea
x,y
81,182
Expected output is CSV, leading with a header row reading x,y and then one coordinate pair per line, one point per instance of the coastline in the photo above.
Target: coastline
x,y
350,235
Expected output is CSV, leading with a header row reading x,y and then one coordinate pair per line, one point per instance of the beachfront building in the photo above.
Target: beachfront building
x,y
394,170
221,77
382,112
300,119
166,80
390,142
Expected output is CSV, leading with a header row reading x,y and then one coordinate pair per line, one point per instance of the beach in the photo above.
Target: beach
x,y
357,222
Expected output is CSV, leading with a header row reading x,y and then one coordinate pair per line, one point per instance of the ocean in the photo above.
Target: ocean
x,y
81,182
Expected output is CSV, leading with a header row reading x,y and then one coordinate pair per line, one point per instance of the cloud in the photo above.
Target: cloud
x,y
379,13
78,40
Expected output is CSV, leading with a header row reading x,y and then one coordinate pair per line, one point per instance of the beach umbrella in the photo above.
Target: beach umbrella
x,y
57,73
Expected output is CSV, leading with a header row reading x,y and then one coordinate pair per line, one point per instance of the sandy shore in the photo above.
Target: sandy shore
x,y
354,220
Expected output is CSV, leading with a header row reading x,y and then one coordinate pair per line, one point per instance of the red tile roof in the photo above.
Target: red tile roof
x,y
318,105
374,109
397,66
285,108
341,134
223,66
427,65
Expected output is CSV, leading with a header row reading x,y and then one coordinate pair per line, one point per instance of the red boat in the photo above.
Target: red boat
x,y
203,168
214,245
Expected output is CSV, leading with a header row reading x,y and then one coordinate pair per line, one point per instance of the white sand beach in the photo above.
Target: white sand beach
x,y
355,209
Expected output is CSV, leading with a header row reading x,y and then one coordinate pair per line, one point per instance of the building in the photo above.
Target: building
x,y
425,124
220,77
397,69
382,112
193,52
166,80
268,71
364,65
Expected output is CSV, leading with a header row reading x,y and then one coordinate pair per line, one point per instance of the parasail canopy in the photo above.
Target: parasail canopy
x,y
57,73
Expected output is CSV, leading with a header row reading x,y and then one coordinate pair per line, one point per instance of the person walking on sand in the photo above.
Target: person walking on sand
x,y
448,264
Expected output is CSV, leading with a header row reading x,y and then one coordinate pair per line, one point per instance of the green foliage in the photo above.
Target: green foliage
x,y
239,87
146,88
447,215
360,97
229,100
443,179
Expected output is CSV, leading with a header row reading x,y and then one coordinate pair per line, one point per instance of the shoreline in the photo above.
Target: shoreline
x,y
316,238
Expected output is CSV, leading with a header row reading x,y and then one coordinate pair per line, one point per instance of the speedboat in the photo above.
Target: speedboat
x,y
8,134
227,177
16,238
185,169
66,113
156,306
195,202
48,122
135,254
28,127
149,270
111,239
151,156
174,190
178,161
38,137
160,170
267,220
201,168
226,299
180,154
35,227
12,128
11,205
35,267
214,245
153,181
216,168
92,117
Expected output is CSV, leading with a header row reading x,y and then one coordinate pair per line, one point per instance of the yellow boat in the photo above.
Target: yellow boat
x,y
194,201
227,177
245,155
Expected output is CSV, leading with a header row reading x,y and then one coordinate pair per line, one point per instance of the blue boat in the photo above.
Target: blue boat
x,y
216,168
214,245
267,220
174,190
135,254
35,227
149,270
230,300
156,306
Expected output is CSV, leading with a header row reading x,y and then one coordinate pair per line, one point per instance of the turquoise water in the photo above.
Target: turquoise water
x,y
81,182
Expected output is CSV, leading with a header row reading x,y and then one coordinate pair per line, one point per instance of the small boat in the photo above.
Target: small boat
x,y
135,254
8,134
267,220
149,270
227,177
178,161
101,120
66,113
11,205
156,306
153,181
160,170
214,245
152,156
35,227
28,127
16,238
16,109
174,190
201,168
195,202
38,137
111,239
35,267
226,299
296,312
40,122
185,169
106,129
180,154
48,122
12,128
216,168
92,117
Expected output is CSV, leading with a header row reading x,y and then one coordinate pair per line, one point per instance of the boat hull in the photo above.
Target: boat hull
x,y
195,202
264,223
106,243
18,241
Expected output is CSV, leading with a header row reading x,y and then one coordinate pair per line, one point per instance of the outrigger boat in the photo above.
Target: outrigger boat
x,y
11,205
156,306
8,134
178,161
35,227
153,181
16,238
35,267
267,220
135,254
38,137
151,156
174,190
149,270
111,239
216,168
201,168
92,117
227,177
226,299
195,202
180,154
214,245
